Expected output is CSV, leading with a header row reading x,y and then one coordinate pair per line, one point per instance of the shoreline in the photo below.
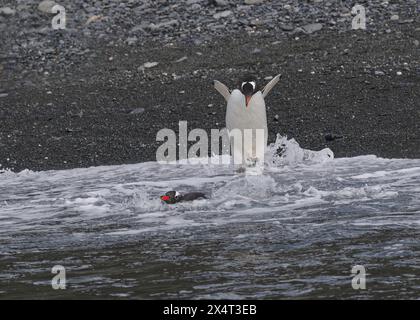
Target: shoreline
x,y
354,92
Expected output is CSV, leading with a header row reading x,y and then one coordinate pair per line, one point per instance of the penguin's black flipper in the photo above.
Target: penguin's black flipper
x,y
193,196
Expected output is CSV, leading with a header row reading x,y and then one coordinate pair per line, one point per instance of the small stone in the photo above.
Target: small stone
x,y
286,27
131,40
222,14
7,11
181,59
220,3
46,6
149,65
416,43
162,25
276,117
137,111
399,73
406,21
250,2
255,22
3,95
379,73
395,17
311,28
332,136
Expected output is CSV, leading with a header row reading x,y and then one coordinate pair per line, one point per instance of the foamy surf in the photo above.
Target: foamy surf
x,y
307,212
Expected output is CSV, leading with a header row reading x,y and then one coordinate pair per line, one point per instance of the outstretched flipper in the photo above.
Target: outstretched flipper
x,y
270,85
222,89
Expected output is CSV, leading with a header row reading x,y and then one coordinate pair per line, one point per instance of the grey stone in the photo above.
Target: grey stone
x,y
149,65
222,14
220,3
163,25
137,111
46,6
286,27
311,28
131,40
7,11
253,1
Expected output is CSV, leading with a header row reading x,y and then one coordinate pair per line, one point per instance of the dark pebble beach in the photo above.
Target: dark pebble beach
x,y
97,92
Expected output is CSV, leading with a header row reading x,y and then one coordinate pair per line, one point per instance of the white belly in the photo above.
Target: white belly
x,y
253,117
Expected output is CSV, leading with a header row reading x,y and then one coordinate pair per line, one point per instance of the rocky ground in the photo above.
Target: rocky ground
x,y
98,91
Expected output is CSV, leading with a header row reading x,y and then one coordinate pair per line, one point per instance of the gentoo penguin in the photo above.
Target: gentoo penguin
x,y
246,110
172,197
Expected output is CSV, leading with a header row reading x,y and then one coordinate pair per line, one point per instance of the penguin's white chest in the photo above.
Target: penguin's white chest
x,y
242,117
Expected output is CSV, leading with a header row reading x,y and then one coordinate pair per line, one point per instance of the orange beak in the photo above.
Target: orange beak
x,y
165,198
248,98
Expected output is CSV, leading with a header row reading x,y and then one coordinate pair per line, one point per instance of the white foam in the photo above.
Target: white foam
x,y
295,184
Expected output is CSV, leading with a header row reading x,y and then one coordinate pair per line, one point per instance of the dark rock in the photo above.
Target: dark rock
x,y
332,136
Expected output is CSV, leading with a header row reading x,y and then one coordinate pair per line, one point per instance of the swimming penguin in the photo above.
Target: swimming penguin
x,y
246,110
172,197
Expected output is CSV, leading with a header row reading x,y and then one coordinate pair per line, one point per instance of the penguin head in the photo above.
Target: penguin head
x,y
248,87
171,197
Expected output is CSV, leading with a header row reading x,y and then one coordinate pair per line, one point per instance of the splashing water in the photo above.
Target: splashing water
x,y
294,231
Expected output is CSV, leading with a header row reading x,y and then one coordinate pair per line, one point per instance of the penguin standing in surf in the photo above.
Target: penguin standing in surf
x,y
246,111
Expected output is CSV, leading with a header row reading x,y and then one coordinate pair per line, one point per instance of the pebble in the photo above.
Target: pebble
x,y
332,136
221,3
222,14
137,111
311,28
7,11
181,59
286,27
46,6
149,65
250,2
132,40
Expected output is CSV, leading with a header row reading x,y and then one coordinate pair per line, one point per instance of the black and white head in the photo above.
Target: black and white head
x,y
248,87
171,197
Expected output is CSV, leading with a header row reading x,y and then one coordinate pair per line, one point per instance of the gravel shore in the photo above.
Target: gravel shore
x,y
97,92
